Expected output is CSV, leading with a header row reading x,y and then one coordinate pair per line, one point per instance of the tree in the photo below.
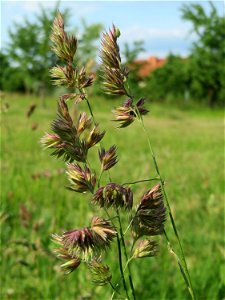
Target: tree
x,y
131,53
208,52
87,50
172,80
29,50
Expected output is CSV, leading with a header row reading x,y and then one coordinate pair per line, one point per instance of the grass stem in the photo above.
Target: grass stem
x,y
115,290
121,233
120,259
126,256
140,181
187,275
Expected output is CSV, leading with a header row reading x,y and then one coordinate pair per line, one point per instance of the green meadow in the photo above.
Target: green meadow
x,y
188,144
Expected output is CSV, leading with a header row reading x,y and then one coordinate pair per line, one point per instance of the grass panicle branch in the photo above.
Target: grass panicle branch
x,y
183,267
71,138
126,115
126,255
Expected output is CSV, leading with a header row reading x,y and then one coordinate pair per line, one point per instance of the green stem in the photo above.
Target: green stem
x,y
115,290
179,264
132,219
121,265
128,227
190,287
125,253
134,182
90,109
121,233
93,118
99,178
132,247
140,181
127,263
120,258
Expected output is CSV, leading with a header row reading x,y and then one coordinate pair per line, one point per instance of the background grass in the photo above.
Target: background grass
x,y
189,147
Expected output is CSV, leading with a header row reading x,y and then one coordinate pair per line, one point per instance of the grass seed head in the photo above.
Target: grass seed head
x,y
113,195
84,80
95,136
86,242
100,273
81,180
50,140
64,46
114,75
108,158
145,248
150,215
64,76
72,262
127,113
83,123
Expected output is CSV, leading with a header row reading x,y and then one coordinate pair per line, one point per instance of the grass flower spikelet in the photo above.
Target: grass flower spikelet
x,y
113,195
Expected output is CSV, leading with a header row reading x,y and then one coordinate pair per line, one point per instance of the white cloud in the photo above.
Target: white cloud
x,y
30,6
18,19
34,6
142,33
82,9
158,41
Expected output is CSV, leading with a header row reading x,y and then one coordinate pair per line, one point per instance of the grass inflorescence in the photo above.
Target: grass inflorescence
x,y
130,207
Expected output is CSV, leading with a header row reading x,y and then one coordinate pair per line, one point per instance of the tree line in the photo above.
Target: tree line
x,y
200,77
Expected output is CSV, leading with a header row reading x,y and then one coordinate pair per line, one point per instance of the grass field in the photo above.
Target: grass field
x,y
189,147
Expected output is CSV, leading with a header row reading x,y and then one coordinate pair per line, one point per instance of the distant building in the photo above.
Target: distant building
x,y
146,66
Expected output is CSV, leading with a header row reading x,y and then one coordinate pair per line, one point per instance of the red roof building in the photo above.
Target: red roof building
x,y
148,65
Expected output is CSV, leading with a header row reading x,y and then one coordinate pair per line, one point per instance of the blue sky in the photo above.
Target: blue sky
x,y
157,23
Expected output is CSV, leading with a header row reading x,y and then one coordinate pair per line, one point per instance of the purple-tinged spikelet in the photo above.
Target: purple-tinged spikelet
x,y
51,140
100,273
150,215
71,147
66,141
145,248
64,46
113,195
127,113
83,123
103,231
81,180
114,74
94,137
72,262
86,242
108,158
64,76
140,107
84,80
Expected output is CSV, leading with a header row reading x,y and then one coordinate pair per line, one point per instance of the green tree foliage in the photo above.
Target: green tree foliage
x,y
171,81
27,58
11,78
201,76
28,53
131,52
87,50
130,55
208,52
